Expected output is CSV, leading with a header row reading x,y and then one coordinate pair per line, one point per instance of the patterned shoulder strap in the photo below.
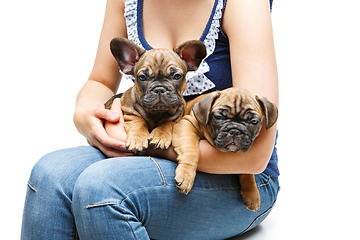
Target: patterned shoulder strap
x,y
197,82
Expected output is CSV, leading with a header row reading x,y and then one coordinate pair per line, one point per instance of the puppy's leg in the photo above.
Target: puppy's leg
x,y
137,133
160,137
249,192
185,141
109,102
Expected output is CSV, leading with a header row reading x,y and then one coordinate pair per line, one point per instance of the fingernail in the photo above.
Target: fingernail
x,y
122,148
114,116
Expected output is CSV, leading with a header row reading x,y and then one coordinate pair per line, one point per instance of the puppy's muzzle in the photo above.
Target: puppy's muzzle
x,y
159,90
160,98
233,138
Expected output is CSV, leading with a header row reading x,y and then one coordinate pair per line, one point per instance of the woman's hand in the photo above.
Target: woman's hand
x,y
90,124
115,130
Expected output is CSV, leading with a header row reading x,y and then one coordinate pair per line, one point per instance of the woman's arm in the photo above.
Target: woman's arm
x,y
102,84
247,23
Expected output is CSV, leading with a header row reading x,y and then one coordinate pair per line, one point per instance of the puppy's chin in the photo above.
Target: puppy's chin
x,y
158,104
159,108
232,147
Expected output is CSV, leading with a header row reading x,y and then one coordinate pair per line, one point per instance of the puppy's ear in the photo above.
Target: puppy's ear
x,y
126,53
192,52
202,109
269,110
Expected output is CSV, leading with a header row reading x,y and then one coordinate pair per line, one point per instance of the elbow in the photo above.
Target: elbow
x,y
261,154
259,164
258,168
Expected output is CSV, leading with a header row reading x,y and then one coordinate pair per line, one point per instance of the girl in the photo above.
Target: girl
x,y
106,192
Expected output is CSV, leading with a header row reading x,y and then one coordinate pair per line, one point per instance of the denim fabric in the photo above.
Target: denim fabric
x,y
47,212
133,198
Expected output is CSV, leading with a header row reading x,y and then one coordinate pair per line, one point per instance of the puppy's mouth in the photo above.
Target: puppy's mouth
x,y
232,140
232,147
160,107
162,103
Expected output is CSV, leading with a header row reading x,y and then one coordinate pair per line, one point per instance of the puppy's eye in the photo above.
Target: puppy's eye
x,y
177,76
218,116
142,77
254,121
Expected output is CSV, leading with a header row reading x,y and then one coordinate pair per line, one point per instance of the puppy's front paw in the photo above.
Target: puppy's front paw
x,y
137,143
159,139
251,199
184,178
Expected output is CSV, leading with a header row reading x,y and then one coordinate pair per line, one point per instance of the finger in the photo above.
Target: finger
x,y
110,152
116,106
106,114
101,136
115,153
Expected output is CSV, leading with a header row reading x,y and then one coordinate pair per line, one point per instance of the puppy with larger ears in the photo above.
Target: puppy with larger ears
x,y
230,120
155,102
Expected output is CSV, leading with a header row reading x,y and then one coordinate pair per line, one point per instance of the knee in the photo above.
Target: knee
x,y
65,165
114,179
46,170
95,182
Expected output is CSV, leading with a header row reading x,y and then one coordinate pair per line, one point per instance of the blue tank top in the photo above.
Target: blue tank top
x,y
214,73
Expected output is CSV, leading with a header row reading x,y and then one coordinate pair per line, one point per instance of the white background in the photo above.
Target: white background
x,y
47,49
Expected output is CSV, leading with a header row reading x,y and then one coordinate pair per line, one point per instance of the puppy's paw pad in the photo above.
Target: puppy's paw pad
x,y
184,180
159,140
137,146
251,200
183,185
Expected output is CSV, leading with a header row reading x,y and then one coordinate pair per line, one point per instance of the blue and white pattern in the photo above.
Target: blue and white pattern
x,y
131,21
197,82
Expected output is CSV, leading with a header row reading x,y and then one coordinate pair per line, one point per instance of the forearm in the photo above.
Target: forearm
x,y
92,95
105,78
248,26
214,161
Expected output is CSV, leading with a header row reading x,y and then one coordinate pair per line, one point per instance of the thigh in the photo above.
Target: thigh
x,y
212,210
47,211
62,167
142,192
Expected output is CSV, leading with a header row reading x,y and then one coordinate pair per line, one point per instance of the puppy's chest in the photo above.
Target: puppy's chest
x,y
156,119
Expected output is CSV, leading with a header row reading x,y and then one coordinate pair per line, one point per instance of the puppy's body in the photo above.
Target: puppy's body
x,y
155,102
230,120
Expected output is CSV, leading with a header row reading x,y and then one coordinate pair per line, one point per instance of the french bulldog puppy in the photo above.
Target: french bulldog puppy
x,y
230,120
155,103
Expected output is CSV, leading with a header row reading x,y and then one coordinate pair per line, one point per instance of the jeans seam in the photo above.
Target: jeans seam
x,y
267,183
120,204
158,167
103,204
31,186
113,203
127,195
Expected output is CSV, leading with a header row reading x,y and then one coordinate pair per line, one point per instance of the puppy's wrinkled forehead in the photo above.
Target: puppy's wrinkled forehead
x,y
237,102
160,62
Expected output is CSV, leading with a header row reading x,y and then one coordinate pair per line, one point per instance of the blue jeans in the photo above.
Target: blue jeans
x,y
78,191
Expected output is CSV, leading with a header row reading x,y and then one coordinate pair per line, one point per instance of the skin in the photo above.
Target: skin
x,y
247,23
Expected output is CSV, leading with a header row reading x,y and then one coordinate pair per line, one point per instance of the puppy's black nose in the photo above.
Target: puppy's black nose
x,y
234,132
159,90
